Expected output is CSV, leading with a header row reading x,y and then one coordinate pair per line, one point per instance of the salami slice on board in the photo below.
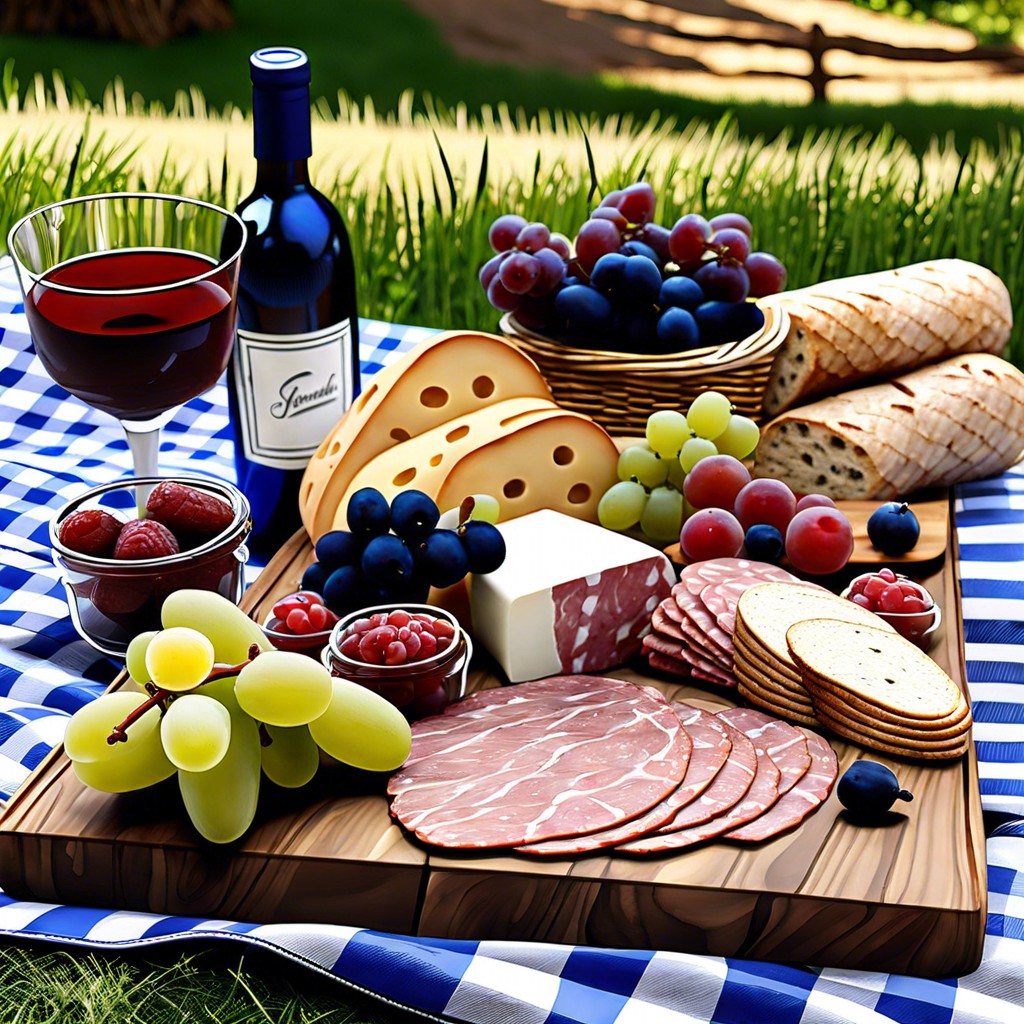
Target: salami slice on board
x,y
784,743
698,575
539,760
806,796
711,746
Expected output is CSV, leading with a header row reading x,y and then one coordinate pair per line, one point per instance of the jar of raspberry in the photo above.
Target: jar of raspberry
x,y
117,566
415,655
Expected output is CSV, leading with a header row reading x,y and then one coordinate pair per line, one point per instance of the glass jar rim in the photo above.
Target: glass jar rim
x,y
333,647
129,567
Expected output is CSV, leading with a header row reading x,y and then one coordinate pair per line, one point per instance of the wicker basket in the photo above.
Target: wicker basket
x,y
620,390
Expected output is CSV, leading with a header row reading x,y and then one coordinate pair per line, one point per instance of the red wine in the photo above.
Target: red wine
x,y
295,367
133,355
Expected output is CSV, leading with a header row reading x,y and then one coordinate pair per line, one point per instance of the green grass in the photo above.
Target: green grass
x,y
43,984
381,48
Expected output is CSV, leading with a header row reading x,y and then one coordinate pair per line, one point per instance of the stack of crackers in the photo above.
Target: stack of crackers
x,y
819,659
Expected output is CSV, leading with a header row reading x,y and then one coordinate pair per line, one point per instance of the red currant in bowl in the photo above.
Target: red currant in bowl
x,y
300,622
904,604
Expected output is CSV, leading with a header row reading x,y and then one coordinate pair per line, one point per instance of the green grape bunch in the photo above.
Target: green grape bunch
x,y
648,496
220,707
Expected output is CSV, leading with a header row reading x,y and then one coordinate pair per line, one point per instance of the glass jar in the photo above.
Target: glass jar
x,y
416,688
112,600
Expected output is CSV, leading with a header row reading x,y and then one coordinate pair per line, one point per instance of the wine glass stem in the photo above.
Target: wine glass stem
x,y
145,448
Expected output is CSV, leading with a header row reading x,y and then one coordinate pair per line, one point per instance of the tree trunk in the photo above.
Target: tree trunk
x,y
150,22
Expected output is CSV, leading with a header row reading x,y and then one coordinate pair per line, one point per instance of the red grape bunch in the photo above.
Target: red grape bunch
x,y
630,283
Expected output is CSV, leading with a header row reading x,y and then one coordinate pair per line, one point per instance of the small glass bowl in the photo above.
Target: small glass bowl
x,y
305,643
416,688
112,600
920,628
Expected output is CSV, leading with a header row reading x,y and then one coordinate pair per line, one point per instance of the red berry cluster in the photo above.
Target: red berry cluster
x,y
904,604
178,517
396,637
301,614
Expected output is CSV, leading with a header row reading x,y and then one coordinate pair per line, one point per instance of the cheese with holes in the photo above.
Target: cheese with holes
x,y
444,377
570,597
528,453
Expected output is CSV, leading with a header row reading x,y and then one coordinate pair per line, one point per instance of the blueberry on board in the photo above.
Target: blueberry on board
x,y
764,543
484,545
386,560
868,789
442,559
413,515
337,548
368,513
893,528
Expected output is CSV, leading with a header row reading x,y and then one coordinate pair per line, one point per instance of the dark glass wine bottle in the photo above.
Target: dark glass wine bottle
x,y
295,365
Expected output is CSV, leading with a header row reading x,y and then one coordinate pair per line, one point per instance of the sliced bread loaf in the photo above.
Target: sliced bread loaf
x,y
849,329
962,419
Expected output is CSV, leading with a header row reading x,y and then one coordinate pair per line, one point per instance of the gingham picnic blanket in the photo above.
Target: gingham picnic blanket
x,y
52,447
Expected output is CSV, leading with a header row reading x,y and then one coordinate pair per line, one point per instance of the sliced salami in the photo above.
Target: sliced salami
x,y
784,743
711,746
672,648
669,620
762,793
806,796
691,609
698,575
728,788
555,757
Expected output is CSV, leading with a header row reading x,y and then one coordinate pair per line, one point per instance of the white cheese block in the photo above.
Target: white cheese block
x,y
571,597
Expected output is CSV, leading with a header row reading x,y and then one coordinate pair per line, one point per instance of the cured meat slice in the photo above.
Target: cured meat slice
x,y
711,746
785,744
697,575
556,757
762,792
728,788
671,648
691,609
806,796
670,621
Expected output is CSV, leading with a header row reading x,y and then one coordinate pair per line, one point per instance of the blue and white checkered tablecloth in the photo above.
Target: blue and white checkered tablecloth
x,y
52,447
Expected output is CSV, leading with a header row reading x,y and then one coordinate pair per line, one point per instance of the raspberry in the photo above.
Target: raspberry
x,y
187,509
145,538
90,532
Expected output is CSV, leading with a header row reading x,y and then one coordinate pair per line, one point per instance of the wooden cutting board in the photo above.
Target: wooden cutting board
x,y
907,897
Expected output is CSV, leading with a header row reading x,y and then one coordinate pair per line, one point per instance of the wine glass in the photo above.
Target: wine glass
x,y
130,301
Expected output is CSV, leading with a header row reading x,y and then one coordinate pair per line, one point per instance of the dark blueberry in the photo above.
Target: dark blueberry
x,y
337,548
442,559
893,528
680,291
315,577
721,322
641,281
413,515
606,276
677,331
484,545
868,789
368,513
764,543
386,560
584,311
637,248
347,589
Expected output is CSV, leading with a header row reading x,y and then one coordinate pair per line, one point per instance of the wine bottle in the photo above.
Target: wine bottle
x,y
295,364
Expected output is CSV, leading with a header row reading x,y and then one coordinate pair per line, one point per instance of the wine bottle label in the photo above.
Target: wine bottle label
x,y
292,390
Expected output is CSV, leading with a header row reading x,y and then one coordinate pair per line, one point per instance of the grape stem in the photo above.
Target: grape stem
x,y
158,697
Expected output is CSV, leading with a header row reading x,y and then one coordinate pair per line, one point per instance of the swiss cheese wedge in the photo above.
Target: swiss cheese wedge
x,y
529,454
443,378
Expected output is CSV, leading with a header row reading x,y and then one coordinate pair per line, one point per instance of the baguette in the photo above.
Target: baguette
x,y
851,329
962,419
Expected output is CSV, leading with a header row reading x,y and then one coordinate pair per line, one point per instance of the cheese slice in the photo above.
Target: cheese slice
x,y
527,453
570,597
443,378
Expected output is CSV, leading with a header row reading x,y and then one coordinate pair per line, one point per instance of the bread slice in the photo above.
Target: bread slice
x,y
887,745
914,733
879,668
849,329
961,419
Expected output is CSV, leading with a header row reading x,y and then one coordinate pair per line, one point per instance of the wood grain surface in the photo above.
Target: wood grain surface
x,y
908,896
